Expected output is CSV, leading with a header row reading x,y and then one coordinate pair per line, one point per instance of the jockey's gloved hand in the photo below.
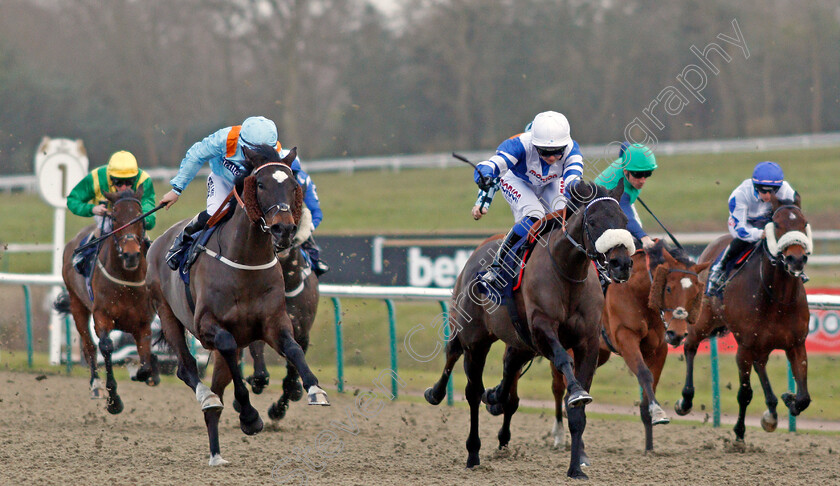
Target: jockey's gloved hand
x,y
484,176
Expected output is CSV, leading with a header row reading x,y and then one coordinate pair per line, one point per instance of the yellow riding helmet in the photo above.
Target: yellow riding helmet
x,y
122,165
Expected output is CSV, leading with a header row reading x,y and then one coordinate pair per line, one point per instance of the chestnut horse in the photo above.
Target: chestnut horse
x,y
236,293
641,318
560,305
120,298
765,306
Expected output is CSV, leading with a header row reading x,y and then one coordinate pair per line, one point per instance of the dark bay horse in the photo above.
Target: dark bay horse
x,y
765,306
641,318
120,298
560,305
237,290
302,296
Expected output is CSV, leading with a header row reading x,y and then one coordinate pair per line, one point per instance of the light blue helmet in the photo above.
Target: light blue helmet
x,y
258,130
768,174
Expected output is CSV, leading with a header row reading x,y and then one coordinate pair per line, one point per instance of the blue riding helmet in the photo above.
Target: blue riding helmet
x,y
768,174
258,130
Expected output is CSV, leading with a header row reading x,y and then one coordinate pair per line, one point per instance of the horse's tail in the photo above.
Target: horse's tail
x,y
62,303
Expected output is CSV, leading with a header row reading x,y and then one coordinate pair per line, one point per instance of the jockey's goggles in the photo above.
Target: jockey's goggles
x,y
550,151
122,181
640,174
766,189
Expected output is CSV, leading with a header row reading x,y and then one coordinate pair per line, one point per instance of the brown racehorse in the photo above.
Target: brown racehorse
x,y
641,318
120,298
237,290
302,296
765,306
560,305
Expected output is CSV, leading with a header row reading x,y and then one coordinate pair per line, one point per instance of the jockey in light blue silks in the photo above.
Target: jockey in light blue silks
x,y
750,210
223,151
537,169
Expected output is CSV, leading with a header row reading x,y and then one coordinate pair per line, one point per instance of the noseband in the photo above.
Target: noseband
x,y
595,256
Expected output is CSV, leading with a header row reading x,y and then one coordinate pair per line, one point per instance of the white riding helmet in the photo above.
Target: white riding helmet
x,y
551,130
258,130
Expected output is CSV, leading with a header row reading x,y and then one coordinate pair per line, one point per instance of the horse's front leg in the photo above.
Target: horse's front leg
x,y
149,371
745,360
548,344
103,326
225,344
696,335
558,388
770,418
81,317
259,380
281,339
798,358
503,398
474,359
586,361
211,404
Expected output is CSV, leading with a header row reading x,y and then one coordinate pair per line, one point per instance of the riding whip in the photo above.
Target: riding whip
x,y
660,224
138,218
487,188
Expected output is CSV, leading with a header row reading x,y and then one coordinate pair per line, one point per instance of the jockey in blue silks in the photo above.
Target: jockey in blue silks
x,y
222,149
750,210
310,199
537,169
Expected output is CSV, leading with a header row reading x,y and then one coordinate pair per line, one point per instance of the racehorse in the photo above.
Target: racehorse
x,y
120,298
235,294
641,318
561,307
302,296
766,308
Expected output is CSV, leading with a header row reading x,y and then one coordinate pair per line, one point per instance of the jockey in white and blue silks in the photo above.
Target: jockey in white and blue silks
x,y
537,168
750,210
223,151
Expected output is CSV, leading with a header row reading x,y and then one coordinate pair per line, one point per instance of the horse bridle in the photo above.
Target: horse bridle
x,y
279,207
131,236
594,256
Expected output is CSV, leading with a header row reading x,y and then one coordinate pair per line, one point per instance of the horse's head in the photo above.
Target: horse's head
x,y
676,291
272,197
788,235
129,241
605,234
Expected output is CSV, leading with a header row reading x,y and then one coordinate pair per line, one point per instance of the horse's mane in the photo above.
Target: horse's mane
x,y
656,258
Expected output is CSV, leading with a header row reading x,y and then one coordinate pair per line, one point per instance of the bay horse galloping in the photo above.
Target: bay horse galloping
x,y
235,294
766,308
561,309
302,296
641,318
120,298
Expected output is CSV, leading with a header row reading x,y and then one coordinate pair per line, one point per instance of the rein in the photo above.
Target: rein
x,y
594,256
773,262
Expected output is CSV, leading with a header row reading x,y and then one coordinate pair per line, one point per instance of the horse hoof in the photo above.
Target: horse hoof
x,y
473,460
769,422
495,409
578,399
317,396
216,460
430,396
295,392
207,398
236,406
258,383
657,415
277,411
790,402
153,380
115,405
678,408
578,474
251,427
96,389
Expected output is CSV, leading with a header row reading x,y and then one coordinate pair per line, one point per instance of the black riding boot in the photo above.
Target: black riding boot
x,y
497,276
319,266
718,272
185,239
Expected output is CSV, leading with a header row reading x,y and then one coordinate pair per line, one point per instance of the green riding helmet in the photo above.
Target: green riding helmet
x,y
638,157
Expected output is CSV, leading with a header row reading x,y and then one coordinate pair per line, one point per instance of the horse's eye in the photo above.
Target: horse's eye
x,y
260,185
668,289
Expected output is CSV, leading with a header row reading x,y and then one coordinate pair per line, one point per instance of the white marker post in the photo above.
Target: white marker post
x,y
60,164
